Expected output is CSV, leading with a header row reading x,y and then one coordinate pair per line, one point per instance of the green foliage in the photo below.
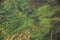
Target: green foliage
x,y
13,21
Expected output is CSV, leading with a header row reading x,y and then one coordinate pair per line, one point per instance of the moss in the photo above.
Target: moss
x,y
19,15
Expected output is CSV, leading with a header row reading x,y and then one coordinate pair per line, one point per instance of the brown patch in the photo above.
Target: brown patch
x,y
23,35
3,2
57,14
36,3
19,36
6,1
32,28
53,3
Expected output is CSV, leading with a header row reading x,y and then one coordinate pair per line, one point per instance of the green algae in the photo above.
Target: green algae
x,y
15,21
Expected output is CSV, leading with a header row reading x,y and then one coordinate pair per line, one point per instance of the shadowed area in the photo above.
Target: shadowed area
x,y
57,14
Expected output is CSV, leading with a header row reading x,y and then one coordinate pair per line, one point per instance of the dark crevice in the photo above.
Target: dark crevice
x,y
56,36
19,8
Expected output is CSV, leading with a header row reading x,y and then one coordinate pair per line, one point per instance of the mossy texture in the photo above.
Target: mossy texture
x,y
29,19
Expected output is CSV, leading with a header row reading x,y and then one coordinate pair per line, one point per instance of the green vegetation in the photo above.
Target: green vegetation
x,y
19,15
